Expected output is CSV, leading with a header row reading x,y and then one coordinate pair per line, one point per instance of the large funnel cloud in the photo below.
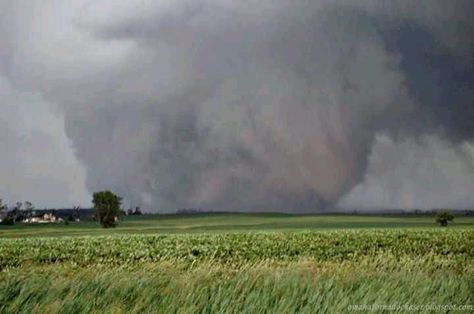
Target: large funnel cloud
x,y
248,105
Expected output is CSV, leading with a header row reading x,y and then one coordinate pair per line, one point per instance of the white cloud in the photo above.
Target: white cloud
x,y
37,159
425,173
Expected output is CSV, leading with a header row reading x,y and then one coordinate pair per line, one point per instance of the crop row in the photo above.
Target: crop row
x,y
453,244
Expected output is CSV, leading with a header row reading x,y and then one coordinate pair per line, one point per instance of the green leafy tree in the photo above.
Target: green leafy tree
x,y
443,217
107,208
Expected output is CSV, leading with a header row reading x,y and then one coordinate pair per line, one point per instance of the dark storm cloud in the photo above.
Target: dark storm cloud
x,y
252,105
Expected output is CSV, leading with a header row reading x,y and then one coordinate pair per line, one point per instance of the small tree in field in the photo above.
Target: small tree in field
x,y
443,217
107,208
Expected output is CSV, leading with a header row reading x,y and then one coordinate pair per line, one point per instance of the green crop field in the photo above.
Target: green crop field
x,y
240,263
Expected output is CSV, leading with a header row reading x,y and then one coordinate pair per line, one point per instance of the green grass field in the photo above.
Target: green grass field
x,y
239,263
229,223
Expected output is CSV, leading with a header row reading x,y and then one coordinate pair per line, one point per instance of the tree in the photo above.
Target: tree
x,y
29,208
107,208
137,211
3,209
77,212
443,217
4,218
16,212
2,206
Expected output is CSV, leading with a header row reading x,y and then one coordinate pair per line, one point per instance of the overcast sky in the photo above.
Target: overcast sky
x,y
238,105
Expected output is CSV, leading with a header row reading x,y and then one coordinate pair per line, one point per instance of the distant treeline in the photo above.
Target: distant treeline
x,y
398,212
413,212
190,211
88,213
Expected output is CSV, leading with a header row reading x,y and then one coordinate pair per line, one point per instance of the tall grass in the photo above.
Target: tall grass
x,y
303,286
284,272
